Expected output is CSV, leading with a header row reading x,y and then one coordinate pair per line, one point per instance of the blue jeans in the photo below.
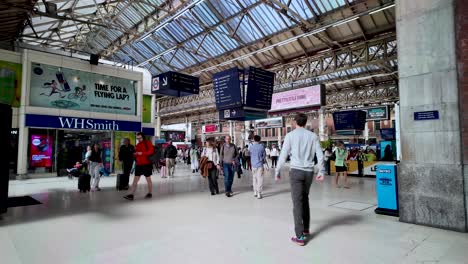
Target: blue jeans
x,y
228,177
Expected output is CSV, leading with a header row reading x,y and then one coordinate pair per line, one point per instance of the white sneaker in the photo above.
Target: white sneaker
x,y
259,196
255,194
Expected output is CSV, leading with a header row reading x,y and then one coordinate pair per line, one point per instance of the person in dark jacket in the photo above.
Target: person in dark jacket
x,y
126,158
170,154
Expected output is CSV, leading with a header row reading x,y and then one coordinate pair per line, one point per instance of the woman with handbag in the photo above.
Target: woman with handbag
x,y
211,155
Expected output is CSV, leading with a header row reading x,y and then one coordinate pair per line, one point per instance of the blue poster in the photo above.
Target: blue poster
x,y
387,195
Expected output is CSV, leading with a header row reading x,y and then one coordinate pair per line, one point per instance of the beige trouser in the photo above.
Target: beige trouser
x,y
170,164
257,175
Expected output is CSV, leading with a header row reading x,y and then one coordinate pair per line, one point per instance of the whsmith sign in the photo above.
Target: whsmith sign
x,y
67,122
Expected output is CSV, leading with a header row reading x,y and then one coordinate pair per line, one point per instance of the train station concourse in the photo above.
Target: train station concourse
x,y
233,131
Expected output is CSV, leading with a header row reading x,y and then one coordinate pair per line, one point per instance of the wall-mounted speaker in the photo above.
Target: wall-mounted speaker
x,y
94,59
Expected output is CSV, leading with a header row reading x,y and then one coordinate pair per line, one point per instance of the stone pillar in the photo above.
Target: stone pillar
x,y
431,186
157,130
322,133
23,137
461,31
187,130
366,132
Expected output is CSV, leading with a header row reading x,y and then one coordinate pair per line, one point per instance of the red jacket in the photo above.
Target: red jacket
x,y
147,150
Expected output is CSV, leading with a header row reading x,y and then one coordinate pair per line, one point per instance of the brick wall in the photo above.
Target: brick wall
x,y
461,24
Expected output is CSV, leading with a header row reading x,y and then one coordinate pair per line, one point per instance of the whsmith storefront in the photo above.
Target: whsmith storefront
x,y
68,105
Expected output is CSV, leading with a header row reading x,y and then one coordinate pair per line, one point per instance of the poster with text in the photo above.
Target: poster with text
x,y
40,149
63,88
147,109
10,83
119,141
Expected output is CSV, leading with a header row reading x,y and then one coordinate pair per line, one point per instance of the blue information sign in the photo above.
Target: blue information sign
x,y
227,89
175,84
387,189
259,88
350,120
426,115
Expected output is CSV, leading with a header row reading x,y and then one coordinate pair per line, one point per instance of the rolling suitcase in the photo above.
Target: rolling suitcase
x,y
122,182
84,182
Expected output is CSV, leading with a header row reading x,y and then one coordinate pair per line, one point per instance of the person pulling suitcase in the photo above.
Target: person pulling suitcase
x,y
126,158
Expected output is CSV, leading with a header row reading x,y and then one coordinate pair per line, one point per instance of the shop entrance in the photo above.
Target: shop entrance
x,y
52,151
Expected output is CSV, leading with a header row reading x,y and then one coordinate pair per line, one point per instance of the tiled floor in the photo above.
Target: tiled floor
x,y
183,223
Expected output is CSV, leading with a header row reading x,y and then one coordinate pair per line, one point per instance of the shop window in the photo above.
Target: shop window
x,y
267,132
273,132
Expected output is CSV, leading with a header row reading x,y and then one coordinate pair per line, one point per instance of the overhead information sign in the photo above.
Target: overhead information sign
x,y
227,88
350,120
175,84
259,88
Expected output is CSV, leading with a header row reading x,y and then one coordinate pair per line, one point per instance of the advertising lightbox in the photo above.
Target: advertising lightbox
x,y
299,98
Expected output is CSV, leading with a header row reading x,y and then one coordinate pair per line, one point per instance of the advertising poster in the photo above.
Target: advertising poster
x,y
40,149
269,123
176,136
118,141
63,88
10,83
298,98
388,150
146,109
106,151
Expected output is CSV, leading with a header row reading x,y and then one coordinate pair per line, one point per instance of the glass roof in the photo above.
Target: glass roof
x,y
163,35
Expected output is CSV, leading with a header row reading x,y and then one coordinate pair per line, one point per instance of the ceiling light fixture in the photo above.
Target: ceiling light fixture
x,y
382,9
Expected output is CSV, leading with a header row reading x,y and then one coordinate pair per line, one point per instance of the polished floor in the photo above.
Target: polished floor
x,y
183,223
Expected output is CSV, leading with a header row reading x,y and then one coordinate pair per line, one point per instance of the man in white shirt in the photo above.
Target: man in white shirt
x,y
302,144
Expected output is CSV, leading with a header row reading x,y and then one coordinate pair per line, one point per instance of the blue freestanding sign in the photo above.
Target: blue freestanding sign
x,y
387,190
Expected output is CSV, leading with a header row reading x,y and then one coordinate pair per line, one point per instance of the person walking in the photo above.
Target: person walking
x,y
327,159
126,158
360,159
247,159
268,152
274,153
211,156
228,157
144,166
194,158
341,154
170,154
95,163
258,156
302,145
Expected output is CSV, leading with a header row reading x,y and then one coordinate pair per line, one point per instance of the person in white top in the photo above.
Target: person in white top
x,y
274,153
213,156
267,151
302,144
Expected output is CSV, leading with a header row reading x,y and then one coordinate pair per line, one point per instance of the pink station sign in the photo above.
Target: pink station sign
x,y
298,98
